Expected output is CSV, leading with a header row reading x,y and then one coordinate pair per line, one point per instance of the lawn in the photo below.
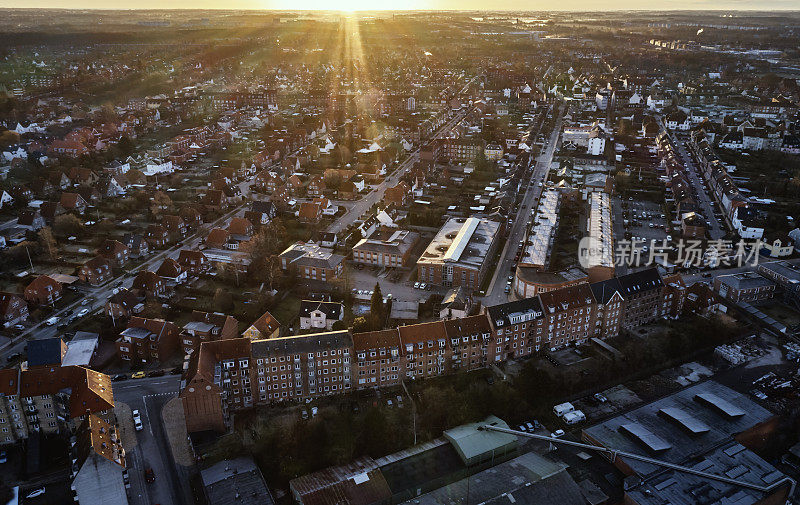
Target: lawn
x,y
286,310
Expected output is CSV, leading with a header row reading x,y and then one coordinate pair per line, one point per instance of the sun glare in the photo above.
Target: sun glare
x,y
348,6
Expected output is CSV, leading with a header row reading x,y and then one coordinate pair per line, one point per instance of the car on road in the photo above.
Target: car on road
x,y
557,434
83,312
149,475
50,322
138,375
3,457
137,421
36,492
19,327
13,357
156,373
423,285
416,285
119,377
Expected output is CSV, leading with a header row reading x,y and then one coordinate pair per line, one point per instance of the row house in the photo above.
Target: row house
x,y
147,340
266,370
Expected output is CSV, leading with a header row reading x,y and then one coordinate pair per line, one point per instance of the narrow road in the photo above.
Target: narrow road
x,y
495,294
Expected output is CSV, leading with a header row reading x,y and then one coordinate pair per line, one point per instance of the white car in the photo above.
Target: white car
x,y
35,493
83,312
137,421
557,434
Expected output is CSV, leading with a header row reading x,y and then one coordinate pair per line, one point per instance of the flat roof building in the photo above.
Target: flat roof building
x,y
698,427
459,253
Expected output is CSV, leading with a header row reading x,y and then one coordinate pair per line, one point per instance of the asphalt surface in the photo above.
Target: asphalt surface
x,y
152,449
716,230
495,294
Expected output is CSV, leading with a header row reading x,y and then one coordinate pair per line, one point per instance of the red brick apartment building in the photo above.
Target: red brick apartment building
x,y
147,340
309,366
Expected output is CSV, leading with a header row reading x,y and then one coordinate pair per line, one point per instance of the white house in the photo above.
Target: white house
x,y
319,315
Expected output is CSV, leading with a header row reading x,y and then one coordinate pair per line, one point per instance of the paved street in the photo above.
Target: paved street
x,y
716,230
149,448
495,294
358,208
355,211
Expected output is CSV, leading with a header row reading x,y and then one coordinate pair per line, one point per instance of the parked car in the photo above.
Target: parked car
x,y
138,375
36,492
600,397
3,457
557,434
137,421
156,373
119,377
83,312
149,476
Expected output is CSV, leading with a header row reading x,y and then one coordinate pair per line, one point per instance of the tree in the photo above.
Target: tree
x,y
160,203
48,242
67,224
481,164
377,308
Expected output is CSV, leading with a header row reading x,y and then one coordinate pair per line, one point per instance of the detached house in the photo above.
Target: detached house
x,y
96,271
13,309
74,202
123,304
157,236
175,226
147,340
320,315
193,262
172,271
43,290
149,284
114,251
206,327
265,326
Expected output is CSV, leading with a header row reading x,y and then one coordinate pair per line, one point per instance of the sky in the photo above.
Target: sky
x,y
349,5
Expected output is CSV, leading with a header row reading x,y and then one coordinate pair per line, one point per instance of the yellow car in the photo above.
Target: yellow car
x,y
138,375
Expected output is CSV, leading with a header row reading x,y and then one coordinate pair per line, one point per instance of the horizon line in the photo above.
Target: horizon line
x,y
332,11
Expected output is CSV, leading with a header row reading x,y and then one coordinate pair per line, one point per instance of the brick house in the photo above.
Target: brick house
x,y
96,271
149,284
207,327
397,195
193,262
43,290
13,308
172,271
175,226
114,251
157,236
122,304
147,340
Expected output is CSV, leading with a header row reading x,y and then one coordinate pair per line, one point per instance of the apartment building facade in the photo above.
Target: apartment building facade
x,y
230,375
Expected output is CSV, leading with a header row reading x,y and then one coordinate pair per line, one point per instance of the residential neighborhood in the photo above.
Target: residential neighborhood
x,y
331,256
